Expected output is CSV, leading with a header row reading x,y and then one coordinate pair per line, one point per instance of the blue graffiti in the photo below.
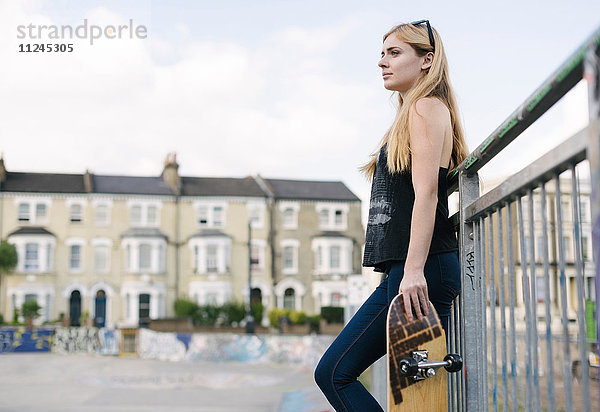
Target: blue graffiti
x,y
25,340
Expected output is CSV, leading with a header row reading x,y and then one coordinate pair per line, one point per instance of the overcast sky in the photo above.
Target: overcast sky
x,y
287,89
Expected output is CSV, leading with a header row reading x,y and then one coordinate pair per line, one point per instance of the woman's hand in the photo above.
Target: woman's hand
x,y
413,289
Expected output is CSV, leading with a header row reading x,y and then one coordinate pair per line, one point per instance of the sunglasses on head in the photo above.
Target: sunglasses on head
x,y
416,23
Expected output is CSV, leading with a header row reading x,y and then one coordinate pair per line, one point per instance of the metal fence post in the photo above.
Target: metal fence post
x,y
471,332
592,75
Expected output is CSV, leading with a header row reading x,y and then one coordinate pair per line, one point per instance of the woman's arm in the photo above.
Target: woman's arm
x,y
427,125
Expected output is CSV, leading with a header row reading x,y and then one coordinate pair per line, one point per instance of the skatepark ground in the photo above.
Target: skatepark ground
x,y
55,382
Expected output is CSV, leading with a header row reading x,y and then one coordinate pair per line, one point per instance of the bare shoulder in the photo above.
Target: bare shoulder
x,y
432,108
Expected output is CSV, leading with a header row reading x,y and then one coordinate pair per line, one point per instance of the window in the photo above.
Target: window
x,y
289,299
143,214
161,258
584,247
152,215
136,215
210,254
218,216
565,210
319,261
256,215
538,207
526,246
23,212
101,216
339,218
101,259
32,263
48,257
128,257
288,257
336,299
540,289
255,256
539,247
30,297
332,216
75,257
211,258
324,217
289,215
211,215
76,213
40,211
203,215
33,211
525,208
584,207
211,298
145,256
334,255
567,248
127,306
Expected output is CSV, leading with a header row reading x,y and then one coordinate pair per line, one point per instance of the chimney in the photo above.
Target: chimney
x,y
2,169
87,182
170,174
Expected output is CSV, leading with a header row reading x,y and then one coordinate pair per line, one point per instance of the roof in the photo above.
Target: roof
x,y
144,232
210,233
31,230
220,186
311,190
190,186
138,185
333,234
43,183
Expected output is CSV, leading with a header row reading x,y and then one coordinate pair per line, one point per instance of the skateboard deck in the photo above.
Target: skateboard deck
x,y
404,393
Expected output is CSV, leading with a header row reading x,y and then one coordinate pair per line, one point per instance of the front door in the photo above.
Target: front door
x,y
75,308
144,311
100,318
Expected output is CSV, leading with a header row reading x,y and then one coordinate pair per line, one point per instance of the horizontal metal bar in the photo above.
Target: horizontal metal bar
x,y
551,91
557,160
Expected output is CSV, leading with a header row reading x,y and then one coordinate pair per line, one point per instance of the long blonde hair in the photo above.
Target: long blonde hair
x,y
435,83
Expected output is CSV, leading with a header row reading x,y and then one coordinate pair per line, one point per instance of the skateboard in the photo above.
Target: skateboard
x,y
417,379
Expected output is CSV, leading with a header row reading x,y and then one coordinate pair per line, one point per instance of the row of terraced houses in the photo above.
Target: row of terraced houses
x,y
124,248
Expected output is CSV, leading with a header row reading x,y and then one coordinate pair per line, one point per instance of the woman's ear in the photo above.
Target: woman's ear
x,y
427,61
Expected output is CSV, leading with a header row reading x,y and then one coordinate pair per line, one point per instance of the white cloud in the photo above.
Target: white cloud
x,y
225,108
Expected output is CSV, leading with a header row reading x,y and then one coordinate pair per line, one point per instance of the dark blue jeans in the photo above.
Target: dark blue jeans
x,y
363,339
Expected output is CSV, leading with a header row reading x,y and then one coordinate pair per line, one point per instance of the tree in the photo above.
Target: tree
x,y
8,258
30,310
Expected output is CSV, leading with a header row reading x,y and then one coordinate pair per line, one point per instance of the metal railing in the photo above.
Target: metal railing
x,y
527,274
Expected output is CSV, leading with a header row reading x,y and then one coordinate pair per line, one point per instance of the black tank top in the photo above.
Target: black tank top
x,y
390,214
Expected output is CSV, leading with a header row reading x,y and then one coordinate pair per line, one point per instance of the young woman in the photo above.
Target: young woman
x,y
409,236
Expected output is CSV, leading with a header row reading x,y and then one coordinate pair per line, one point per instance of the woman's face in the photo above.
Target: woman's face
x,y
401,67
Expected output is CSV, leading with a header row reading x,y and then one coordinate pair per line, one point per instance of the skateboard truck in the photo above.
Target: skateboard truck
x,y
418,367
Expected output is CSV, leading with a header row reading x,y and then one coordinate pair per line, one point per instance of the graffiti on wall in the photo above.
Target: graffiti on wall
x,y
25,340
109,341
304,351
160,345
76,340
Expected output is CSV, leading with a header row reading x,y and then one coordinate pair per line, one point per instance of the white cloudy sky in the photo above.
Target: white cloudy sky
x,y
287,89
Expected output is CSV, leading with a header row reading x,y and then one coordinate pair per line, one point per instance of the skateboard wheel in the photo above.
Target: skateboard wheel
x,y
455,362
408,367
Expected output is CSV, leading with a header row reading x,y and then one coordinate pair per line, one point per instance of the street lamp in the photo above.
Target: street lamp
x,y
249,318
